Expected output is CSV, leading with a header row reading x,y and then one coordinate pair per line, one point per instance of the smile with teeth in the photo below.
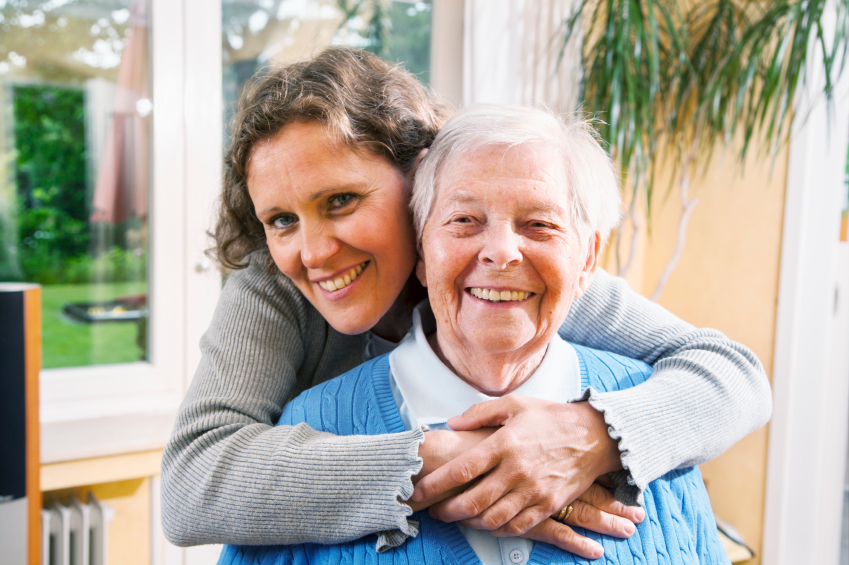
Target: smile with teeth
x,y
499,295
344,279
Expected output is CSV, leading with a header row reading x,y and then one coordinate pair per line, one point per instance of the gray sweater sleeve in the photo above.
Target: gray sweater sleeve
x,y
230,476
706,392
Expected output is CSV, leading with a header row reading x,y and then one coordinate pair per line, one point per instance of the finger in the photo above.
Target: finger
x,y
485,414
456,472
604,500
591,518
605,481
499,513
562,536
475,500
523,522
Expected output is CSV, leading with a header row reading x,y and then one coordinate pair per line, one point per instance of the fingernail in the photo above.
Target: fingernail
x,y
630,528
417,495
641,514
598,552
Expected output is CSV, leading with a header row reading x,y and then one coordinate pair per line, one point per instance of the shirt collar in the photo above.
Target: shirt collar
x,y
432,393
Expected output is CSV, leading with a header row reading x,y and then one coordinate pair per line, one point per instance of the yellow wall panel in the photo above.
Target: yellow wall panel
x,y
727,279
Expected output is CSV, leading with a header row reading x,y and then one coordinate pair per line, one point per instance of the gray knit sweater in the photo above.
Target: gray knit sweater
x,y
230,476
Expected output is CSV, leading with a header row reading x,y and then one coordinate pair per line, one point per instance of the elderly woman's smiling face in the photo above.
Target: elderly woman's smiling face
x,y
502,260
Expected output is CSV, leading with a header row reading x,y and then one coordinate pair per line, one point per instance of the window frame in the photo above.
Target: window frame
x,y
811,364
107,409
447,33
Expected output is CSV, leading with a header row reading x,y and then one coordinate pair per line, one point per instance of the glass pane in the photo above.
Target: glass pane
x,y
74,170
257,33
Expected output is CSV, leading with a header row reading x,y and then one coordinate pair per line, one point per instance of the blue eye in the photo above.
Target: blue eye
x,y
339,200
283,221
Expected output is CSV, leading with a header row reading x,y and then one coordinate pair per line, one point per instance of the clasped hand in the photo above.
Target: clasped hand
x,y
521,460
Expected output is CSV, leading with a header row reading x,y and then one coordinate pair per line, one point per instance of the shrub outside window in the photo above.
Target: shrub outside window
x,y
74,175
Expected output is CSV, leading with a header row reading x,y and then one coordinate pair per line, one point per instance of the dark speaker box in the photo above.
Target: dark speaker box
x,y
20,362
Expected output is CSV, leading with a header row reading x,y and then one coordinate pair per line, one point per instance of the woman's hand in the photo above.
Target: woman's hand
x,y
595,510
545,456
440,447
443,446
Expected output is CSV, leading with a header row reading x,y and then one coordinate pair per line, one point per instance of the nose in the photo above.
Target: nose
x,y
501,247
318,244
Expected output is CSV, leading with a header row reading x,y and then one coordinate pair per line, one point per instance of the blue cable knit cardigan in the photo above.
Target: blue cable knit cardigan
x,y
679,527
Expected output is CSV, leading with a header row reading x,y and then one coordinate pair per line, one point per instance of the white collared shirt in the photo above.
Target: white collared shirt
x,y
427,392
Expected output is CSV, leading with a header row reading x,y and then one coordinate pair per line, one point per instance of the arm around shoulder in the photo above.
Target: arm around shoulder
x,y
230,477
706,391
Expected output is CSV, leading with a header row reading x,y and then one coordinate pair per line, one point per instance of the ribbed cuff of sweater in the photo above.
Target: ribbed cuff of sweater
x,y
627,489
407,528
393,538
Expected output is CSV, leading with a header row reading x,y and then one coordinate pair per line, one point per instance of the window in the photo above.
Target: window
x,y
107,187
75,90
258,33
107,178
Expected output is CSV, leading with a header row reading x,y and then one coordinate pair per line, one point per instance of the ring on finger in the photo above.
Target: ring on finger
x,y
564,514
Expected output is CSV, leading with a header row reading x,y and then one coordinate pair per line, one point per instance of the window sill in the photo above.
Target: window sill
x,y
99,436
106,410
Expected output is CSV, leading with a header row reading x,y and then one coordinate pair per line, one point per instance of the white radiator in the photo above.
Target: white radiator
x,y
75,534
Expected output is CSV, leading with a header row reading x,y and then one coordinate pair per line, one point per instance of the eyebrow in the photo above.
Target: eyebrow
x,y
336,188
462,197
269,210
364,186
316,196
459,197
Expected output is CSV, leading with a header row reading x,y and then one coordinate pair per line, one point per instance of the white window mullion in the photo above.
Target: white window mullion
x,y
808,432
167,274
203,153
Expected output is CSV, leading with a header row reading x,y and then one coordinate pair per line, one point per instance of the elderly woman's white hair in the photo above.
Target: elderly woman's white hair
x,y
587,170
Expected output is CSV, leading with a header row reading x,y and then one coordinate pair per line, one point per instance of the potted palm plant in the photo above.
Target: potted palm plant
x,y
673,79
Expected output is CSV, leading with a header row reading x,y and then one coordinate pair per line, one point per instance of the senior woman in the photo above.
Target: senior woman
x,y
511,205
314,222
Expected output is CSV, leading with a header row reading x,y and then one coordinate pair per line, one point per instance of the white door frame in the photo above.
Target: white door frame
x,y
808,434
198,85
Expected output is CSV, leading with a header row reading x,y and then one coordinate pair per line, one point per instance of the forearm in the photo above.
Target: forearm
x,y
246,483
228,476
706,391
683,415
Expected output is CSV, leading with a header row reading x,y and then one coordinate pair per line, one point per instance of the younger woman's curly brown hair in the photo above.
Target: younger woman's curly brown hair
x,y
367,102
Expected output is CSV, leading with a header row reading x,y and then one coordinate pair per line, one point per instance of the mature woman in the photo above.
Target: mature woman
x,y
316,187
511,205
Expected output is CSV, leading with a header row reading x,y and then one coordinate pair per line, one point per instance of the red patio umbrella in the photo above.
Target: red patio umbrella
x,y
122,182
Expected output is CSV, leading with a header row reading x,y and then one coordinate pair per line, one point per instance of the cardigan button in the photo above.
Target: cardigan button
x,y
516,556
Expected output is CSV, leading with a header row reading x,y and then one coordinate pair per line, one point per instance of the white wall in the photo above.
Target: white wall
x,y
511,48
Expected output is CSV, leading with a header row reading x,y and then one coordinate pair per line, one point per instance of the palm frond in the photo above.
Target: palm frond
x,y
700,73
628,50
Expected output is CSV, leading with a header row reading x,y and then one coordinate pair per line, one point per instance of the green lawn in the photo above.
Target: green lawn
x,y
72,344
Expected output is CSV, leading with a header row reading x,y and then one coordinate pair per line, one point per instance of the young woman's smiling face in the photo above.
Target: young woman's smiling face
x,y
336,222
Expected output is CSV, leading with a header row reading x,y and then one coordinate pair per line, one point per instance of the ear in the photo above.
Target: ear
x,y
590,264
421,272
